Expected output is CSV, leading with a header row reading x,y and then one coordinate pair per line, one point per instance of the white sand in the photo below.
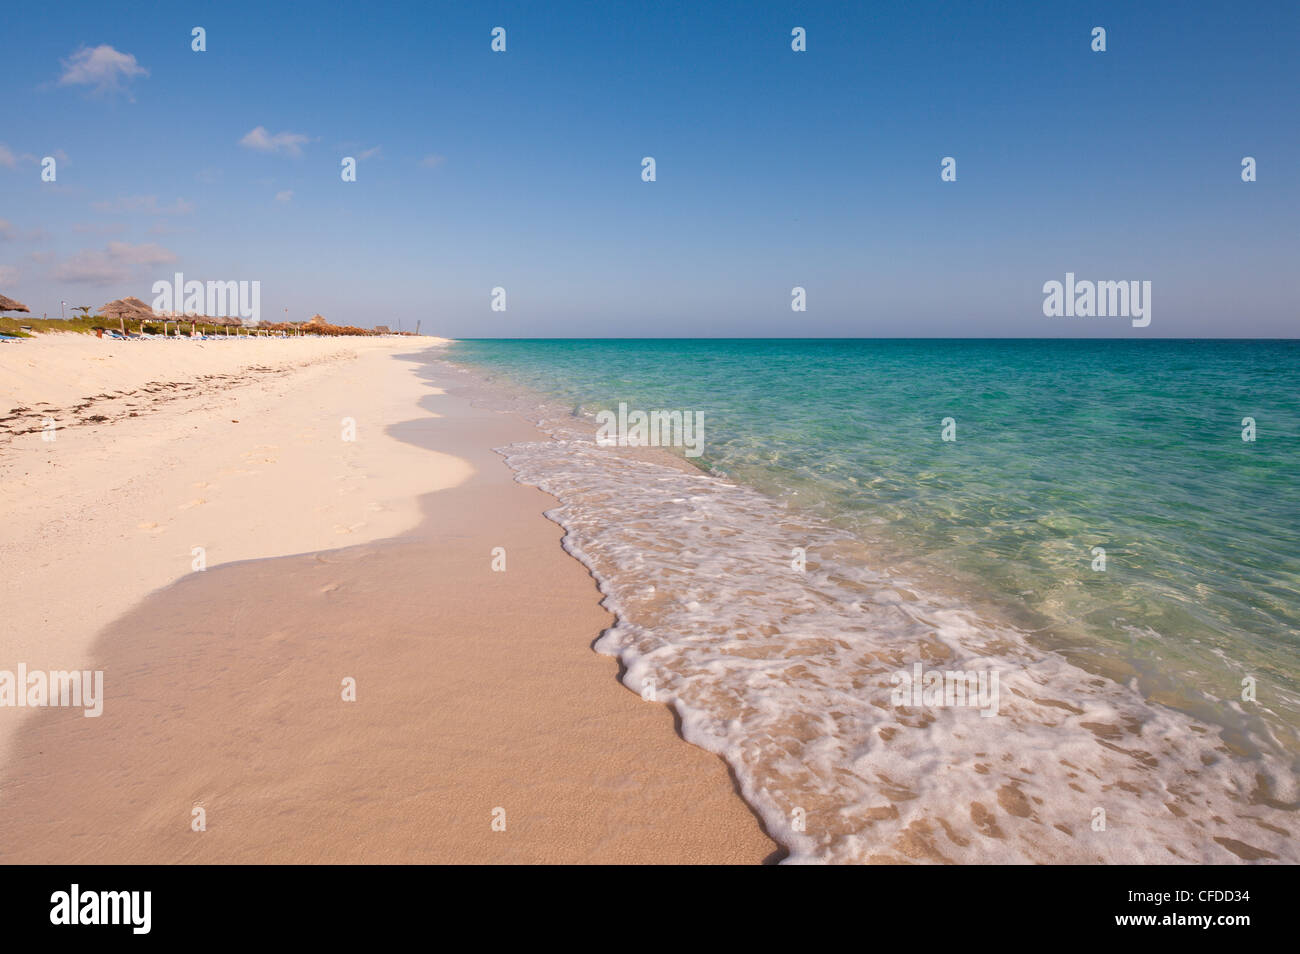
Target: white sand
x,y
477,689
105,513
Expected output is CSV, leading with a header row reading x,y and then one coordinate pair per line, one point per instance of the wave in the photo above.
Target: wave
x,y
793,677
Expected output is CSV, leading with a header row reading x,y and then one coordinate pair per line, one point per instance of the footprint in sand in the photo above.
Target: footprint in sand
x,y
197,502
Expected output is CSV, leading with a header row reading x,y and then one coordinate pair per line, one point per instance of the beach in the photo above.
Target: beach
x,y
281,554
390,599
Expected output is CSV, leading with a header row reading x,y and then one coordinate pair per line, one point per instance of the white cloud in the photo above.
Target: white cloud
x,y
9,232
145,203
9,275
101,67
433,160
98,228
284,196
149,253
370,152
12,160
91,268
113,264
286,142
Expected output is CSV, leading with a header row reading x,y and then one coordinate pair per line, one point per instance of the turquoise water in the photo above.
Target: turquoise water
x,y
1161,689
1061,447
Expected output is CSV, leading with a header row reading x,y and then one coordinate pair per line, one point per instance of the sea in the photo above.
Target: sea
x,y
1006,601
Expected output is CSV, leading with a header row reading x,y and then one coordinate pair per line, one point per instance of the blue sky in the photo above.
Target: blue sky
x,y
774,168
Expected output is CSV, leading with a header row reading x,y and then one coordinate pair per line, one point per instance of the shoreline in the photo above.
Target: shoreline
x,y
223,687
711,615
390,689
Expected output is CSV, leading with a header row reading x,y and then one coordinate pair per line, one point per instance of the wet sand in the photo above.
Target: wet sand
x,y
478,698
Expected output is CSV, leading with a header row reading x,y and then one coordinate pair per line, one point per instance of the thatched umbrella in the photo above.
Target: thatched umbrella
x,y
124,309
195,319
227,322
120,310
167,317
180,317
8,304
142,311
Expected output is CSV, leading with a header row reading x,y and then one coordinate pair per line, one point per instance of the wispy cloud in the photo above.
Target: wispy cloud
x,y
146,254
284,196
102,68
433,160
12,160
112,264
9,275
7,157
369,153
10,232
288,143
98,228
147,204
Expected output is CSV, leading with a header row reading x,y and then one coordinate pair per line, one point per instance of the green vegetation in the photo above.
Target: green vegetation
x,y
9,325
86,324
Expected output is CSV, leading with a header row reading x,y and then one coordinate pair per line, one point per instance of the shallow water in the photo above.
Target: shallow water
x,y
1120,690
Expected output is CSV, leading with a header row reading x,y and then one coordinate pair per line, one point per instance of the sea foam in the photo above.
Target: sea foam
x,y
792,677
787,676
